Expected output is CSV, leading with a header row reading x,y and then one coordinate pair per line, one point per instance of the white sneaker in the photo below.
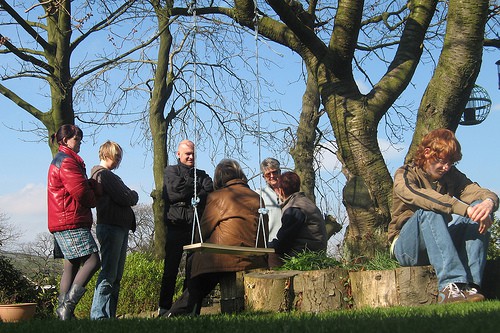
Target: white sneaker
x,y
472,294
451,294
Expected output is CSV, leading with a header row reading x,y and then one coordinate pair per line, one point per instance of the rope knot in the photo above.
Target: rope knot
x,y
263,211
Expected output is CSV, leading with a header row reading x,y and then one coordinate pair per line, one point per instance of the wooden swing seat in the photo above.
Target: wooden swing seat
x,y
227,249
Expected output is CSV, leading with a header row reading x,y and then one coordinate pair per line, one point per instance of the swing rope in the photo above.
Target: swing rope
x,y
195,200
262,210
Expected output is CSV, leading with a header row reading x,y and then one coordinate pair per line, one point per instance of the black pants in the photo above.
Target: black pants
x,y
176,239
197,289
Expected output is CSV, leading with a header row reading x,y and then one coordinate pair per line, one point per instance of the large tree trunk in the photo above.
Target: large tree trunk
x,y
449,89
61,84
355,117
304,149
49,59
55,68
367,191
159,127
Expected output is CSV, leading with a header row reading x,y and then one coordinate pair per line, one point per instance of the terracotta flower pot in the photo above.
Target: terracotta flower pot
x,y
16,312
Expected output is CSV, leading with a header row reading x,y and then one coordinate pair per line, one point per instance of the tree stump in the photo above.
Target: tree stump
x,y
321,290
269,291
408,286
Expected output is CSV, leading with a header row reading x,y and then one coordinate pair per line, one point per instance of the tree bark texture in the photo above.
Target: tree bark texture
x,y
307,291
458,67
406,286
52,63
354,117
159,124
321,290
269,291
303,150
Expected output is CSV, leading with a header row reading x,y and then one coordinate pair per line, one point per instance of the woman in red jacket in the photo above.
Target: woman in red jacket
x,y
70,197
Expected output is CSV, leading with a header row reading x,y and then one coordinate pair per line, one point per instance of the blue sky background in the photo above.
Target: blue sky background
x,y
25,160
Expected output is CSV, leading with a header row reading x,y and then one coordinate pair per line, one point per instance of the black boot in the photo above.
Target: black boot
x,y
73,296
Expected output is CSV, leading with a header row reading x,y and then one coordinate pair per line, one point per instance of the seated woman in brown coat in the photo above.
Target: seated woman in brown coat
x,y
231,217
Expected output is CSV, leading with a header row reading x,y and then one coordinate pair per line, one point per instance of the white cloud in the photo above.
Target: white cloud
x,y
27,210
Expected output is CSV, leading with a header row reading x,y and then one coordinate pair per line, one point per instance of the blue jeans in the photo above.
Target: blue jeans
x,y
456,250
113,241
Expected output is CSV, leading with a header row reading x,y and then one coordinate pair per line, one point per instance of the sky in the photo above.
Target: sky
x,y
25,161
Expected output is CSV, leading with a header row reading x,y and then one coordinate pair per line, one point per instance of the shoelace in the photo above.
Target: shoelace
x,y
454,291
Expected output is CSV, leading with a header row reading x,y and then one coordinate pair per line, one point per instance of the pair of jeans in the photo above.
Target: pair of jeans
x,y
113,241
177,237
456,250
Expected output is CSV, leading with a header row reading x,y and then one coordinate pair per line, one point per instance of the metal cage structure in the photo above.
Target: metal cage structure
x,y
477,108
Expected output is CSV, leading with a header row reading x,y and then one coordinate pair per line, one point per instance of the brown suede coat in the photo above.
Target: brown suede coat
x,y
231,217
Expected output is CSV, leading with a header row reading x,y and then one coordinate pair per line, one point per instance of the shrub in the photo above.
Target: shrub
x,y
139,290
14,286
309,260
494,246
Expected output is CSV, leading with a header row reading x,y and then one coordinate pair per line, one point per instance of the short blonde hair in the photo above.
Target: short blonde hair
x,y
111,150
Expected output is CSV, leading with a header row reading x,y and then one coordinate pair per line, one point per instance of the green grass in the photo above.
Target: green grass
x,y
470,317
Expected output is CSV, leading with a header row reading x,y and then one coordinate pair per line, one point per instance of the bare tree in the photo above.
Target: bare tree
x,y
142,240
459,63
200,98
8,232
44,51
38,262
328,38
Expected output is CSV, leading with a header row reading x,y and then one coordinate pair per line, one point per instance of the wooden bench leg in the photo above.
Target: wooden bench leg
x,y
232,293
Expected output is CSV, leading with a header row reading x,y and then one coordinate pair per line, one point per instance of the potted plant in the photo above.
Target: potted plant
x,y
17,296
15,312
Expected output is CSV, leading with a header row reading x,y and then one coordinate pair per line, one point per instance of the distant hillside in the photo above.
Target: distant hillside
x,y
39,269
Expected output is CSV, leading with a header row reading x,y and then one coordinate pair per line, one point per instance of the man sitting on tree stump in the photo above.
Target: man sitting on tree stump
x,y
440,217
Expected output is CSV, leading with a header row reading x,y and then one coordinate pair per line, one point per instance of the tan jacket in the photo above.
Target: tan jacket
x,y
231,217
414,189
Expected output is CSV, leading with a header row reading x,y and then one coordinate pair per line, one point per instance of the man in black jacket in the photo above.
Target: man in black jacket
x,y
179,188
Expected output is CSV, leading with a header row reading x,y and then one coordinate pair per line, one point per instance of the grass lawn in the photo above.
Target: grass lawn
x,y
466,317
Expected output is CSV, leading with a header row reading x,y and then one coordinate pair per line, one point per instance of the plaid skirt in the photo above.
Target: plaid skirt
x,y
76,243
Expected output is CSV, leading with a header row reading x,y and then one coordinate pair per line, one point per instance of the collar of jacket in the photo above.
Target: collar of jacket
x,y
293,195
72,153
235,182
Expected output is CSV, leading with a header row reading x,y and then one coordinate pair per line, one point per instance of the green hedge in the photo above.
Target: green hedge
x,y
140,287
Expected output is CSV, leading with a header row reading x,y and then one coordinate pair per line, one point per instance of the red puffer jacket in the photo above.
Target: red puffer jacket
x,y
70,195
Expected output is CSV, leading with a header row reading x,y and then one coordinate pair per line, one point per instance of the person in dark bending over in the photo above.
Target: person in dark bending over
x,y
302,223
